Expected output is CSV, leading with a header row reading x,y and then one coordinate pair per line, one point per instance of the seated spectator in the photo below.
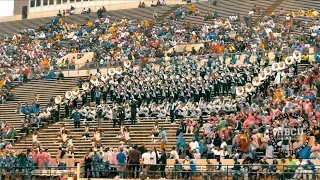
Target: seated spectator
x,y
19,107
163,3
35,121
11,134
26,108
310,170
60,76
25,126
152,4
174,154
51,75
190,126
72,10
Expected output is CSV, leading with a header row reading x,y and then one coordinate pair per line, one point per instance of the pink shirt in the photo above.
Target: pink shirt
x,y
315,148
267,119
35,157
191,123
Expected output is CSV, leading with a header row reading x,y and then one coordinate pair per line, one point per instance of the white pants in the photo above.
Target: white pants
x,y
307,173
189,128
298,174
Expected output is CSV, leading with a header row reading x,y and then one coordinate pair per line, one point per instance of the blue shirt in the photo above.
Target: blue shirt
x,y
76,117
163,136
121,158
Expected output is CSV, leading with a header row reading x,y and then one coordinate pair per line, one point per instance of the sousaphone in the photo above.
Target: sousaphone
x,y
262,76
282,65
111,71
289,60
85,86
275,67
58,99
239,91
256,81
127,63
297,55
68,95
118,70
248,87
267,71
104,77
94,79
75,91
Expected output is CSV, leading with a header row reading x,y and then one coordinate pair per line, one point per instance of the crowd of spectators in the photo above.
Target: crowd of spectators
x,y
238,126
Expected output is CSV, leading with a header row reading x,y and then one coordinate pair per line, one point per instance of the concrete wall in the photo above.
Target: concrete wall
x,y
18,4
52,10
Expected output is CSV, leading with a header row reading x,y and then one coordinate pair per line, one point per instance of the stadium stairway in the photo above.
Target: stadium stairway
x,y
140,133
26,93
161,18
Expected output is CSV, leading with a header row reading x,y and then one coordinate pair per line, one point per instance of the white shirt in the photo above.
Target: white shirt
x,y
146,158
269,151
223,144
207,128
174,154
106,156
153,158
194,145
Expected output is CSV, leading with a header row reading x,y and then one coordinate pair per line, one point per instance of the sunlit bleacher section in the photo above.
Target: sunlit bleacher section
x,y
9,28
26,94
224,10
140,132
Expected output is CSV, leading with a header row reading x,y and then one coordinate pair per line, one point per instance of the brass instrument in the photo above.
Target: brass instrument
x,y
256,81
297,55
68,95
239,91
85,86
118,70
94,80
111,71
75,91
262,76
248,87
282,65
104,78
267,71
275,67
127,63
289,60
58,99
